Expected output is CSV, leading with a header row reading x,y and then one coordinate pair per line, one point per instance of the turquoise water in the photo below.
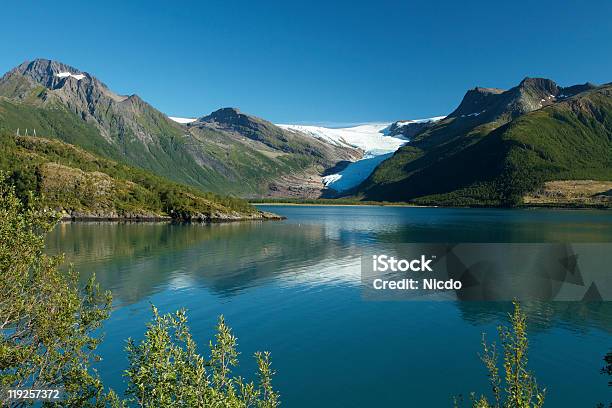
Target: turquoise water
x,y
292,288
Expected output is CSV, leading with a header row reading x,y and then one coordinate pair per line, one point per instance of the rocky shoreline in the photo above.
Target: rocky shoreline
x,y
201,218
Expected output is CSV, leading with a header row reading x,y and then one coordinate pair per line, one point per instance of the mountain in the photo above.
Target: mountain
x,y
256,152
492,104
507,148
233,121
63,102
224,152
79,184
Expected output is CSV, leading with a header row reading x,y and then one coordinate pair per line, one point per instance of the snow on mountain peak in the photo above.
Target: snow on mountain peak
x,y
183,121
401,123
78,77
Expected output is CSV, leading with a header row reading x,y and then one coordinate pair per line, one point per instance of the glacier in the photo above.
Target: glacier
x,y
355,173
373,138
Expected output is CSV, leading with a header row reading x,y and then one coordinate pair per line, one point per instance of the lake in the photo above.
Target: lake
x,y
293,287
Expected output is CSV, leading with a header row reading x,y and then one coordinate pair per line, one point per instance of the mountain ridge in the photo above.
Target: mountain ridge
x,y
510,150
76,107
231,152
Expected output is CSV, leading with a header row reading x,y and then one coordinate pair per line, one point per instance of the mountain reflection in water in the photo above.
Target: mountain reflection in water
x,y
279,283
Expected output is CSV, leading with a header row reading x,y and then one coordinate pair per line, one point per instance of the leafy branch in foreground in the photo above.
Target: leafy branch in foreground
x,y
607,370
165,369
47,322
518,387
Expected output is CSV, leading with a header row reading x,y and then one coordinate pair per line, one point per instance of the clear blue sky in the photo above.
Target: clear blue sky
x,y
314,61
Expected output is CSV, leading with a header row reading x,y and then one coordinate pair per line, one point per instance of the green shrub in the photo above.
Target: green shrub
x,y
515,387
166,370
48,325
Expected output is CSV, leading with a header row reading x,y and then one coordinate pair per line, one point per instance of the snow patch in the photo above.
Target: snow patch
x,y
401,123
181,120
473,114
78,77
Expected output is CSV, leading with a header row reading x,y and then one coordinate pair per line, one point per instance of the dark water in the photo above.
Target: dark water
x,y
292,288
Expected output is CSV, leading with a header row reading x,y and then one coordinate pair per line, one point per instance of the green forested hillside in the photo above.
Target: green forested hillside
x,y
53,123
493,164
81,184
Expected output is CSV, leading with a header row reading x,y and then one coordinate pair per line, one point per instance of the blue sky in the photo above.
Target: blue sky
x,y
314,61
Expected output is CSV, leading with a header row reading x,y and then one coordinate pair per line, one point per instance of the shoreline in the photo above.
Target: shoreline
x,y
527,207
268,216
262,216
164,220
347,205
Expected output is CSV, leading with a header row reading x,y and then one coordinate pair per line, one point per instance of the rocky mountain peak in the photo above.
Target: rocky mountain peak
x,y
232,119
485,91
50,74
491,104
55,75
539,84
576,89
229,116
531,94
228,111
84,95
475,101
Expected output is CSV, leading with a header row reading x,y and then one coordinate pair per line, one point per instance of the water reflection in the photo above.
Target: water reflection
x,y
575,316
315,246
281,282
136,260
